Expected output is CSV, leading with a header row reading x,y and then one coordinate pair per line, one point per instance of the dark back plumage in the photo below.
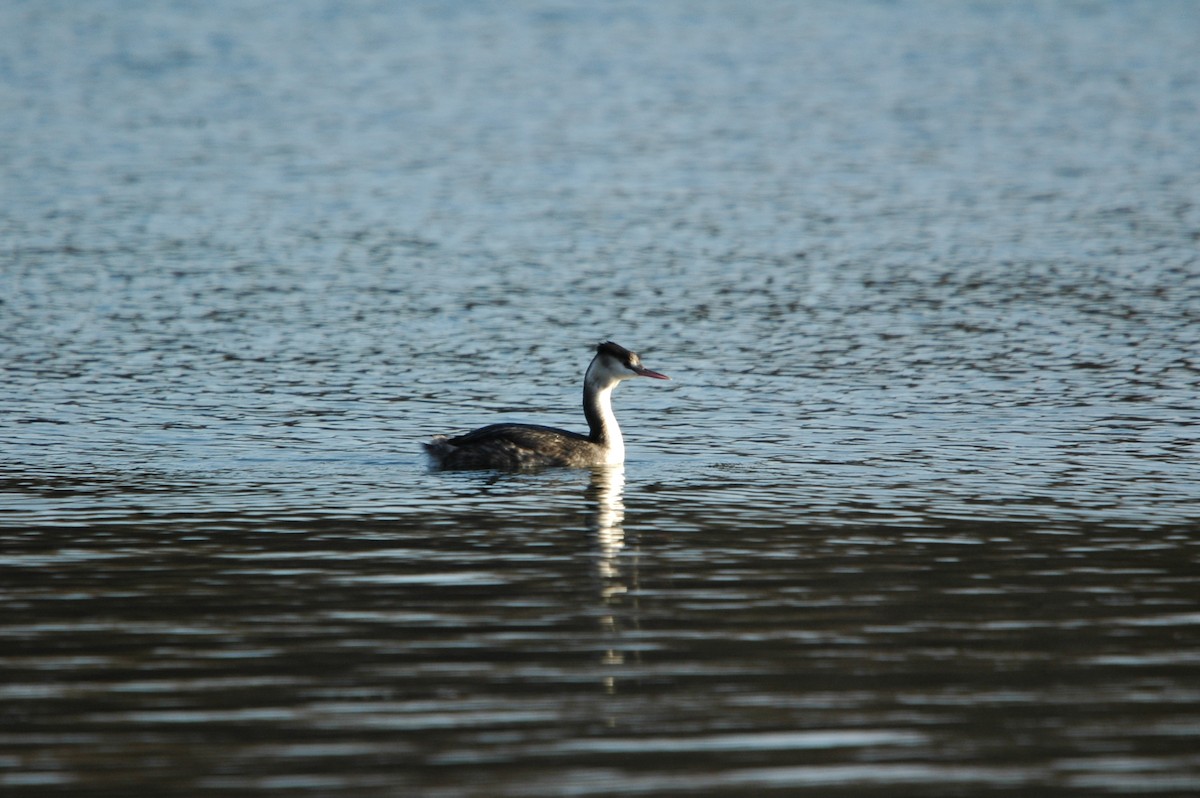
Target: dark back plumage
x,y
514,447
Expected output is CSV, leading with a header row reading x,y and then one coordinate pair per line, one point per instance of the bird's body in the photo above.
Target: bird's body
x,y
521,446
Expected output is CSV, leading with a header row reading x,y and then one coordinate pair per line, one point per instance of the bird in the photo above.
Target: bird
x,y
513,447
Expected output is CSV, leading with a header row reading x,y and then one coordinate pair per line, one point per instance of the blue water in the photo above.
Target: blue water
x,y
916,514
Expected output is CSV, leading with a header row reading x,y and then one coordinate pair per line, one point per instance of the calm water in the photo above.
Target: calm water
x,y
917,515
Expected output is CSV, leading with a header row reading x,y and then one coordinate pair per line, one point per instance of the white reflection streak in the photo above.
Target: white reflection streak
x,y
609,486
608,490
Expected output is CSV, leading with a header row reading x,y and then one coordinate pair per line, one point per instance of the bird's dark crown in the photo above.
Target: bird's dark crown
x,y
619,352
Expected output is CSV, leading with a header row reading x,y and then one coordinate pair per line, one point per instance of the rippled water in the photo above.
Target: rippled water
x,y
915,516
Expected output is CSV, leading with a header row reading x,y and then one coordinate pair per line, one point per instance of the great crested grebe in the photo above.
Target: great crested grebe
x,y
517,446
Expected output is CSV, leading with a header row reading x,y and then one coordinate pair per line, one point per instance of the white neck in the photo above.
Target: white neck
x,y
610,436
598,386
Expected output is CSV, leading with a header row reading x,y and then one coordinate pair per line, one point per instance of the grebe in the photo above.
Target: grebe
x,y
517,446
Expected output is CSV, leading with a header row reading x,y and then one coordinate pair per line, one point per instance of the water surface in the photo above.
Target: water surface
x,y
916,514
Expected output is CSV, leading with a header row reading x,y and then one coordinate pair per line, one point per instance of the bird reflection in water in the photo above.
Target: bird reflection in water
x,y
606,494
